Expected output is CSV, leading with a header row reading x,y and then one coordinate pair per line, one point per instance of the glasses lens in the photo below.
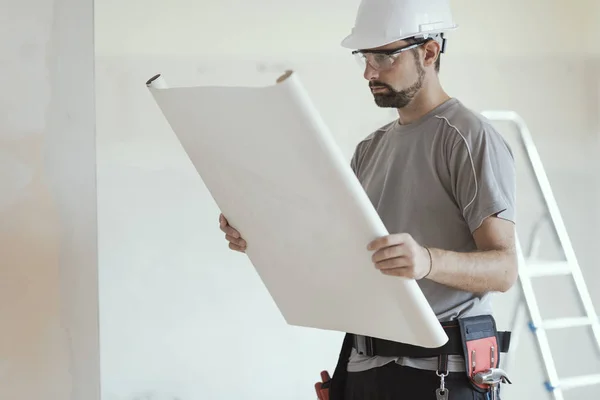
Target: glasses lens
x,y
381,61
360,60
377,61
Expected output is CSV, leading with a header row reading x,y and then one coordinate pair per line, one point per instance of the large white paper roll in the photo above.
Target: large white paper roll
x,y
274,170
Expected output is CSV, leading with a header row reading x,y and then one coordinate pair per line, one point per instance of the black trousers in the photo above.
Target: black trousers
x,y
395,382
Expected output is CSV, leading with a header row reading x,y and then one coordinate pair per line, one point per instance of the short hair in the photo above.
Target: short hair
x,y
413,40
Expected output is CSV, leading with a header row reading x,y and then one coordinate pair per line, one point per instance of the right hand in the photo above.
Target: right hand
x,y
236,242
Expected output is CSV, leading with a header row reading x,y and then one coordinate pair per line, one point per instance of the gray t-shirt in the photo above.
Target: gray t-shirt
x,y
437,179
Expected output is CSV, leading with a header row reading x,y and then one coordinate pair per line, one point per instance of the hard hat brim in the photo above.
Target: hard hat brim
x,y
361,42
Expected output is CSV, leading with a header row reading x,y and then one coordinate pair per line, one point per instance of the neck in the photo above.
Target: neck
x,y
429,97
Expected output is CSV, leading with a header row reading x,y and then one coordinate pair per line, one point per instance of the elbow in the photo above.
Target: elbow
x,y
508,282
510,274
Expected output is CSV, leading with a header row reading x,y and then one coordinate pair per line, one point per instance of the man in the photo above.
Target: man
x,y
443,181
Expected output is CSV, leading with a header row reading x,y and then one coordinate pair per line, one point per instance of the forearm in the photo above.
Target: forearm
x,y
475,272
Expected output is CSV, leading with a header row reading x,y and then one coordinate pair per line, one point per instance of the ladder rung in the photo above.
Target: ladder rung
x,y
578,381
561,323
549,268
534,267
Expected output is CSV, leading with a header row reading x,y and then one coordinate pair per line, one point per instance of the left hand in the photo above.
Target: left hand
x,y
400,255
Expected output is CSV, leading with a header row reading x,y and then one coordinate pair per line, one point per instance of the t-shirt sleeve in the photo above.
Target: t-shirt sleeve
x,y
356,157
354,163
482,172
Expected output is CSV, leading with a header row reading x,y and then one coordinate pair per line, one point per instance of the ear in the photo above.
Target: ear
x,y
432,52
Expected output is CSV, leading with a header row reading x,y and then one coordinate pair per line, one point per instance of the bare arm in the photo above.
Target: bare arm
x,y
492,268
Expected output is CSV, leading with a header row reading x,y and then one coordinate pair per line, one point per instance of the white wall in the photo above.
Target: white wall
x,y
513,27
48,259
262,27
166,275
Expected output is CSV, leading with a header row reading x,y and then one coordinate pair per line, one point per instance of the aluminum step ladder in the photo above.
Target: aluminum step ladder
x,y
530,267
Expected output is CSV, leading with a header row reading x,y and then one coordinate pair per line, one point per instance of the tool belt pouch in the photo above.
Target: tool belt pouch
x,y
480,342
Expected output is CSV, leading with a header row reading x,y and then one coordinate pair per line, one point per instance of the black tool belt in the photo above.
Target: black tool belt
x,y
485,326
474,338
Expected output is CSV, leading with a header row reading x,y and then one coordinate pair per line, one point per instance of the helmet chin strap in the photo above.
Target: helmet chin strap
x,y
443,44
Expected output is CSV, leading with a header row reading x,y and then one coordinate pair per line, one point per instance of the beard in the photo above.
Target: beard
x,y
398,98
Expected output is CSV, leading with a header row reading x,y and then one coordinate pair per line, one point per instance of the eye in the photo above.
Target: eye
x,y
381,58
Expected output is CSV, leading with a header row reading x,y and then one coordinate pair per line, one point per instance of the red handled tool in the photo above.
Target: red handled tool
x,y
322,387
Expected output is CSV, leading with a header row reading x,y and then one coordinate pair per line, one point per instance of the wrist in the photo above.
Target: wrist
x,y
428,262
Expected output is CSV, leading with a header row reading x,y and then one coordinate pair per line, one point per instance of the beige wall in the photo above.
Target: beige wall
x,y
48,260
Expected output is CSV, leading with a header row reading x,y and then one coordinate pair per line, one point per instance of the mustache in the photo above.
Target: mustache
x,y
380,84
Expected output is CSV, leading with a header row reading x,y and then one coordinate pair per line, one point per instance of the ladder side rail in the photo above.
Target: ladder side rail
x,y
518,319
555,215
553,383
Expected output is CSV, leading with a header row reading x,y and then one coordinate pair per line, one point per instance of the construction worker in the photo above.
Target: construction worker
x,y
443,181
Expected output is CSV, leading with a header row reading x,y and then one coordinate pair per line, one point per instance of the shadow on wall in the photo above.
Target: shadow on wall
x,y
32,341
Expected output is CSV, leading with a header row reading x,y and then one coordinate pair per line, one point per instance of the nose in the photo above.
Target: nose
x,y
370,72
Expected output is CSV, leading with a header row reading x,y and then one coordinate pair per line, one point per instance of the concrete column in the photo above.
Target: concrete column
x,y
48,253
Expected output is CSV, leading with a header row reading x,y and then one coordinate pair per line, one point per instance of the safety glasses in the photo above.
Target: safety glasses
x,y
382,60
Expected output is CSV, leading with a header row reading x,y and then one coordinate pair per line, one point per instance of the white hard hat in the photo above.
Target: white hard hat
x,y
380,22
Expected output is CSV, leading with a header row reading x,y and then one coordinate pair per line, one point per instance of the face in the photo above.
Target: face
x,y
395,79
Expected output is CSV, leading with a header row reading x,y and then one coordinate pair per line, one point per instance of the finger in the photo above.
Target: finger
x,y
225,227
387,241
397,262
325,376
388,252
228,230
237,241
235,247
399,272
